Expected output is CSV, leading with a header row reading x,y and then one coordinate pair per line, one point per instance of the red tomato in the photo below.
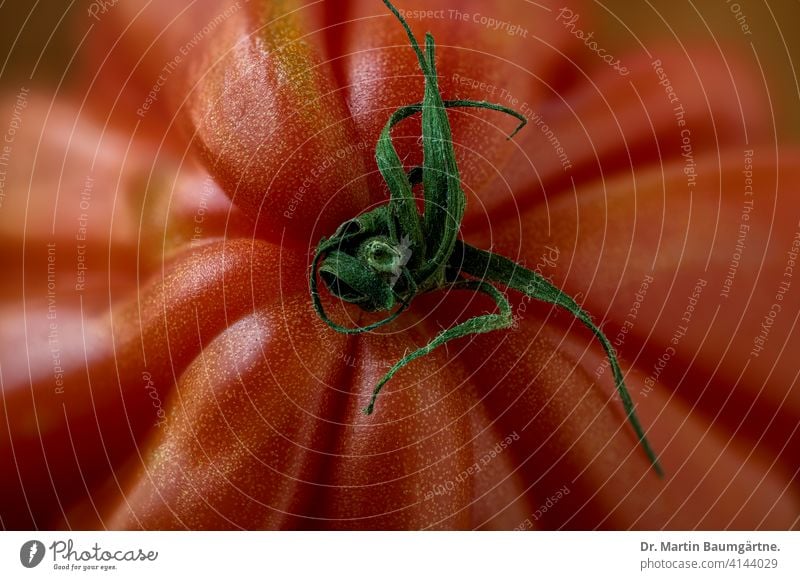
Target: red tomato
x,y
180,378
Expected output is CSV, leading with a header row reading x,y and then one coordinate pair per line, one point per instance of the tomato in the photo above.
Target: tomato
x,y
183,380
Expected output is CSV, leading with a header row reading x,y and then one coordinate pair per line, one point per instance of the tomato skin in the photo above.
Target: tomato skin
x,y
107,405
203,392
301,439
698,421
273,129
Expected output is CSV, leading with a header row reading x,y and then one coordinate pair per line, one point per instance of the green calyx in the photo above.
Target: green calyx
x,y
382,259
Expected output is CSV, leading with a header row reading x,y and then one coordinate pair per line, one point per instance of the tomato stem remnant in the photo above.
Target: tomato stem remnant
x,y
384,258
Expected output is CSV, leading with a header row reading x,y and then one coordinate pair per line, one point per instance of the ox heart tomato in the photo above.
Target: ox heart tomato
x,y
163,365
